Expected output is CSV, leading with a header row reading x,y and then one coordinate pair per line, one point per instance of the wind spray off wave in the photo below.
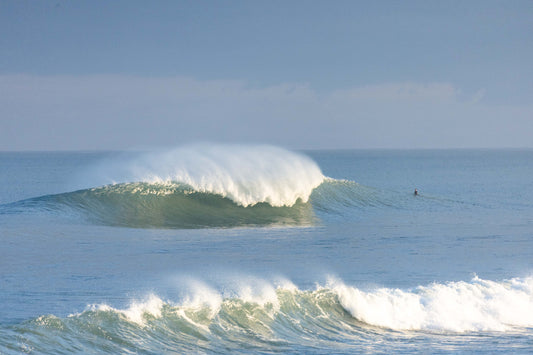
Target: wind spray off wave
x,y
247,175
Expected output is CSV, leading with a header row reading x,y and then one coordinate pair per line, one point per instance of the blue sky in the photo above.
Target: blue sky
x,y
301,74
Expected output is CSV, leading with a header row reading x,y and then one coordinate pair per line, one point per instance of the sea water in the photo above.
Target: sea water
x,y
228,248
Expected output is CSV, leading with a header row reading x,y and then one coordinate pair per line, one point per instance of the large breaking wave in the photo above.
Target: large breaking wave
x,y
208,186
261,315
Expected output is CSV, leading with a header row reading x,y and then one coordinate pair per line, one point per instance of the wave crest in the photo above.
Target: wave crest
x,y
477,305
259,315
247,175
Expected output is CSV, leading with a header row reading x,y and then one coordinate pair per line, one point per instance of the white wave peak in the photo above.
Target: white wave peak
x,y
246,174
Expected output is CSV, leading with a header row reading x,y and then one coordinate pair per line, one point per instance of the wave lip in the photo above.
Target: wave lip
x,y
247,175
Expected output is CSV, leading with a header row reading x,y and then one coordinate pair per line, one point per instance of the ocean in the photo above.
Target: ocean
x,y
213,248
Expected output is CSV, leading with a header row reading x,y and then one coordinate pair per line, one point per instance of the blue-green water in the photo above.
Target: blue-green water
x,y
219,249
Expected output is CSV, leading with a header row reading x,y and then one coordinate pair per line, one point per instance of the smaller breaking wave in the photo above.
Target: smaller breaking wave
x,y
262,316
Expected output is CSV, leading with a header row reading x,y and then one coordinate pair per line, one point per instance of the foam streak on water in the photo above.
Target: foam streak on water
x,y
206,186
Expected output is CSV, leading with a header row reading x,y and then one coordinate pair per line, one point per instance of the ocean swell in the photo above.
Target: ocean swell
x,y
171,205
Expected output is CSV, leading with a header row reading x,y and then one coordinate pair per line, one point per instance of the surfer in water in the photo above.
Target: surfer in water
x,y
416,192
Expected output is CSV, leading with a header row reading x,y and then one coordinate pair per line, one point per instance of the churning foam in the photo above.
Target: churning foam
x,y
137,310
246,174
478,305
262,316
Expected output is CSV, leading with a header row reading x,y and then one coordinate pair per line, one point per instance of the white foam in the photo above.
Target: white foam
x,y
258,292
478,305
136,311
247,174
202,296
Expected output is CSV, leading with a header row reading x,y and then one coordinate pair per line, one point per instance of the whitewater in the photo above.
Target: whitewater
x,y
211,248
245,174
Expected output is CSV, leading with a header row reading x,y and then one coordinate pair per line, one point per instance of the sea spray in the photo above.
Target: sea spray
x,y
246,174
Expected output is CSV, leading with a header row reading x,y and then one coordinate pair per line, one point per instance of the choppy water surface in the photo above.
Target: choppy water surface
x,y
212,248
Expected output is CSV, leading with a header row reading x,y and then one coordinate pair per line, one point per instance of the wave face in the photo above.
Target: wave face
x,y
177,205
259,315
171,205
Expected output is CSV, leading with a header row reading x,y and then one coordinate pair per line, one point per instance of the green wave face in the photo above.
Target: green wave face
x,y
176,205
145,205
234,324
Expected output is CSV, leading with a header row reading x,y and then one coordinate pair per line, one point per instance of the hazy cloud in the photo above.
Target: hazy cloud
x,y
121,112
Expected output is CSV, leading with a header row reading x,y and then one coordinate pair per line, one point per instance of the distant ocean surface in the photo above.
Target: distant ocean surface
x,y
257,249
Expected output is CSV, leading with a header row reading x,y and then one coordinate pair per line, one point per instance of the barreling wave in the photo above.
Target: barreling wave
x,y
169,205
260,316
210,186
176,205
